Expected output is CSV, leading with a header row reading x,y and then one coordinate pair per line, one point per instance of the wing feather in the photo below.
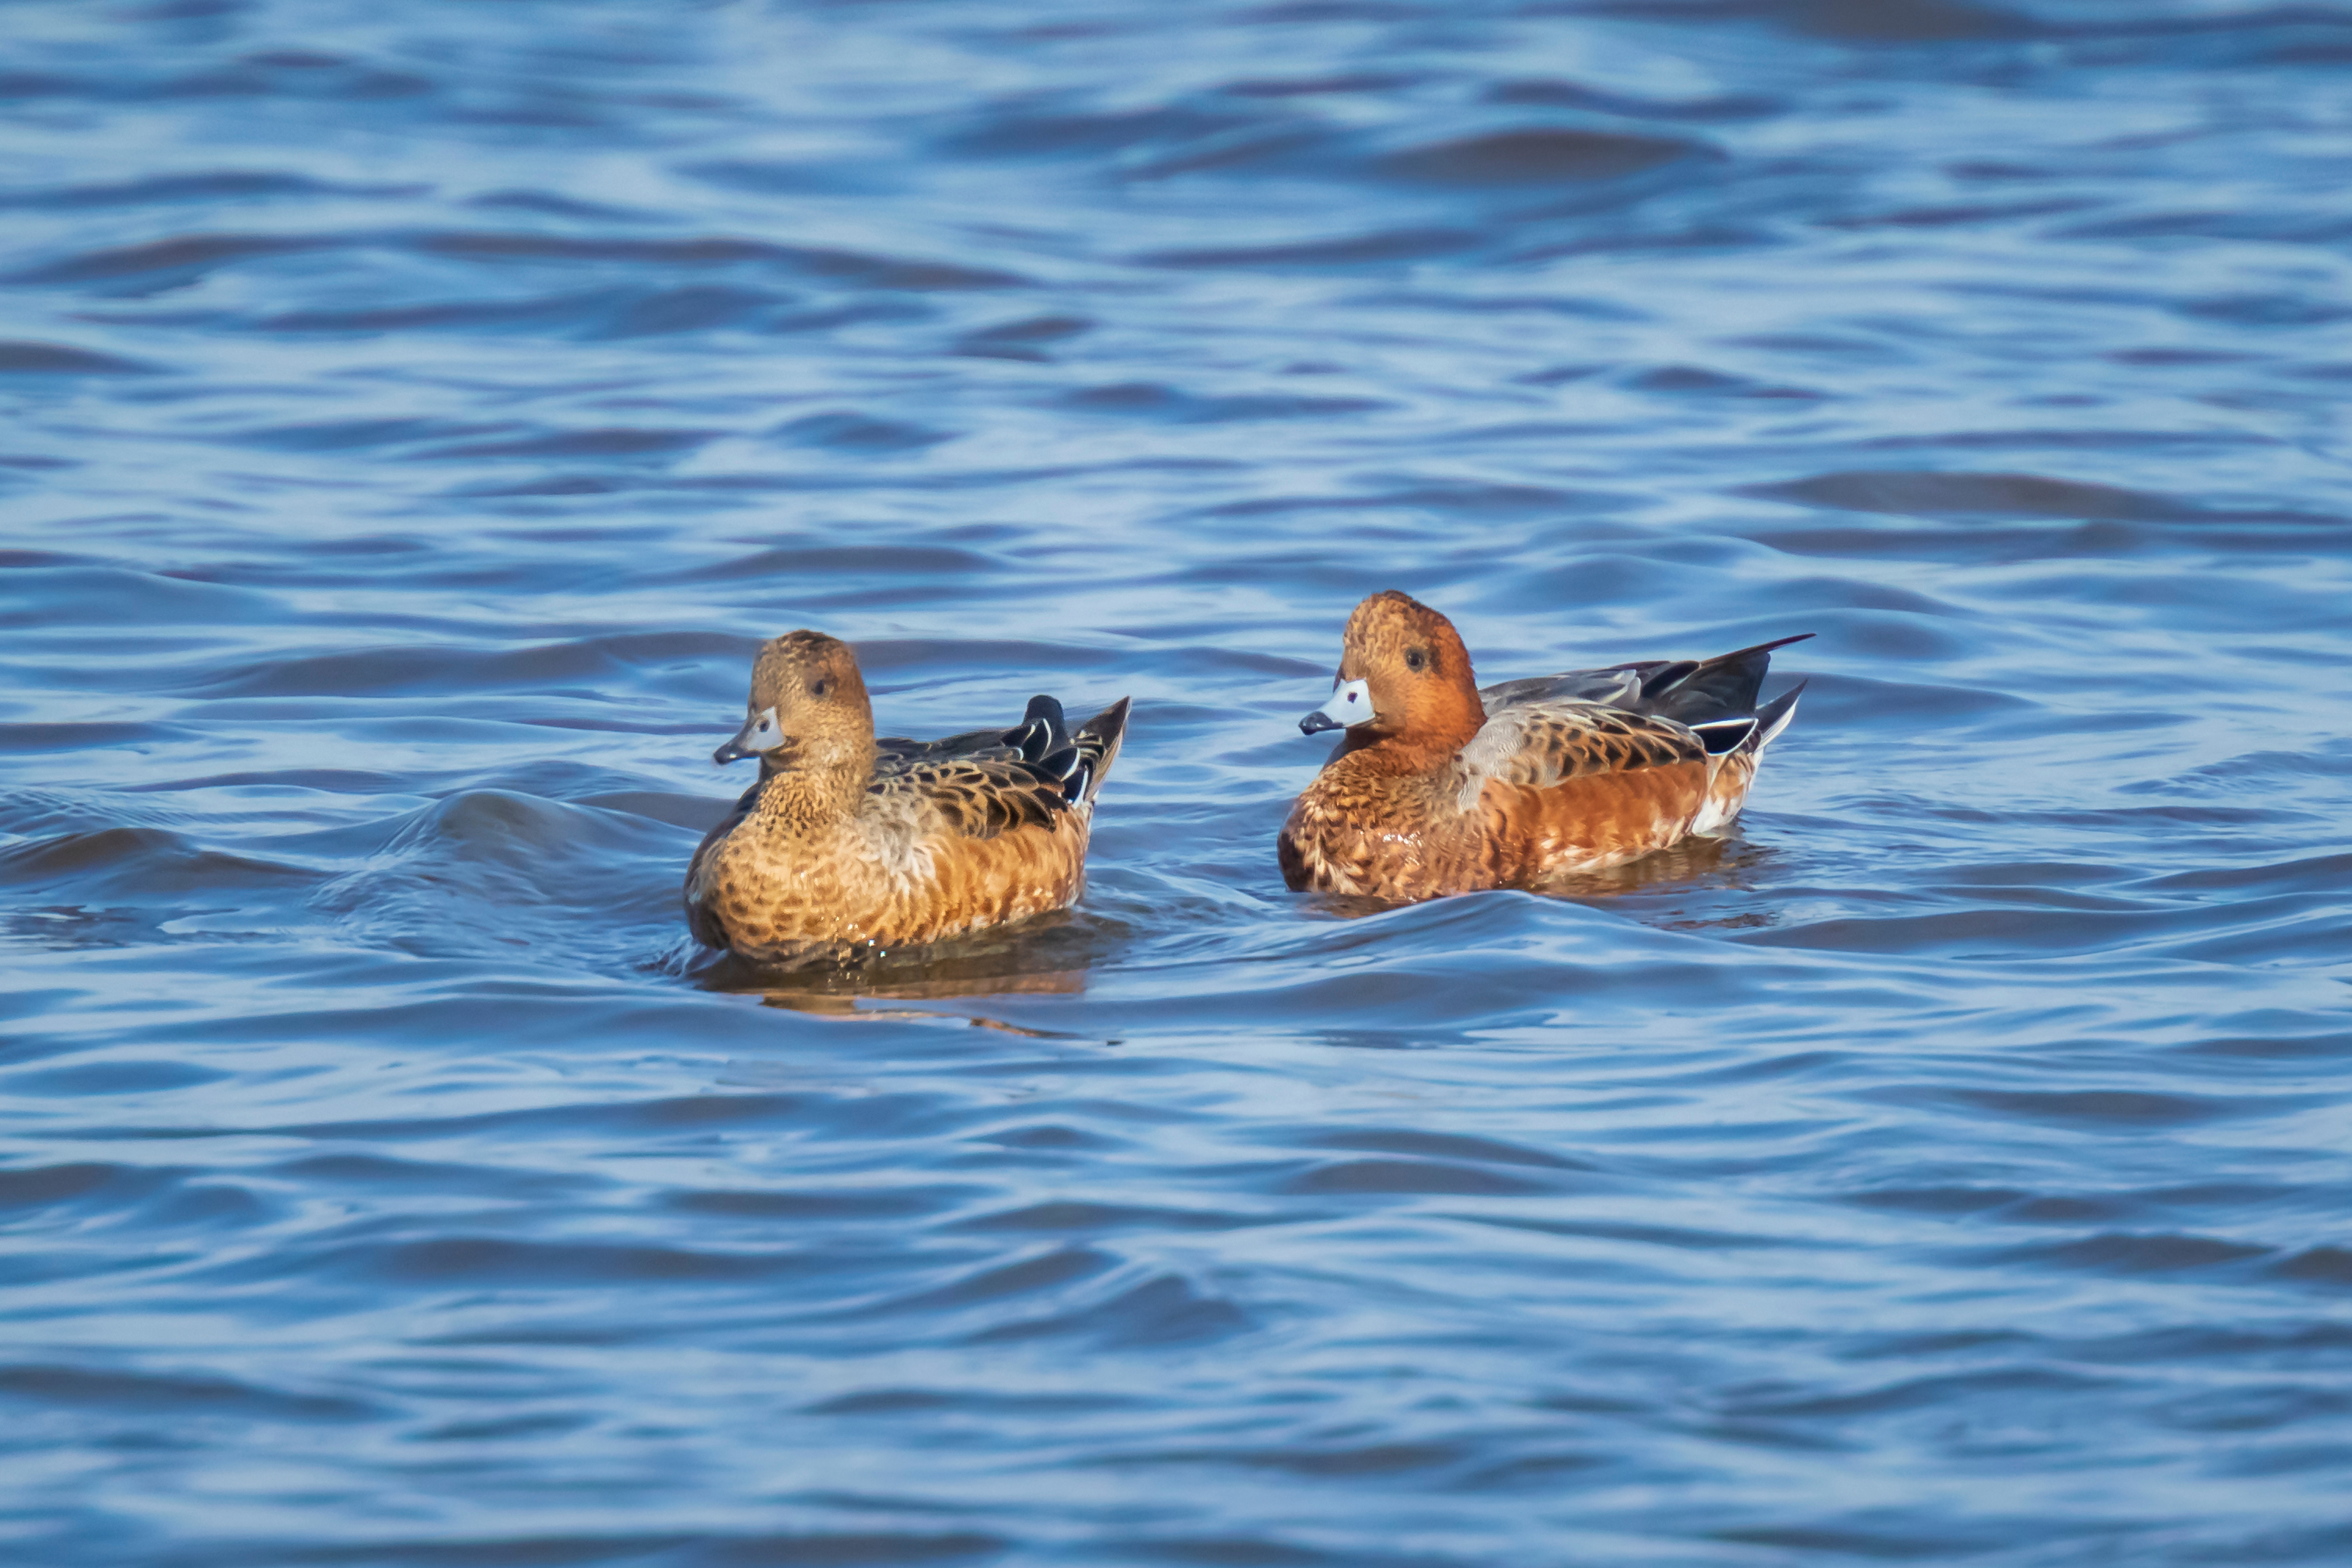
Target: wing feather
x,y
1041,749
968,797
1614,686
1542,743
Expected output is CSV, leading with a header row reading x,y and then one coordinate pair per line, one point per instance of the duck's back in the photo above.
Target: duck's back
x,y
1594,767
1714,698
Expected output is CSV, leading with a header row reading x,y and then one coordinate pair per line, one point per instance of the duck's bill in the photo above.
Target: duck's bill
x,y
1351,705
759,735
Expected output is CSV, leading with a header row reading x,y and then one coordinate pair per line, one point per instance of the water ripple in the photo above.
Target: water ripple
x,y
419,419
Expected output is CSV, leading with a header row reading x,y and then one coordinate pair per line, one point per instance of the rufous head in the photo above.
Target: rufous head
x,y
1403,674
808,707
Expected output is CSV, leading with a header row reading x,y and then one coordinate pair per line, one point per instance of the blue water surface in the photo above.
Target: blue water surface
x,y
416,415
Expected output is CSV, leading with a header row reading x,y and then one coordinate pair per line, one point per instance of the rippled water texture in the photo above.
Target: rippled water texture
x,y
416,413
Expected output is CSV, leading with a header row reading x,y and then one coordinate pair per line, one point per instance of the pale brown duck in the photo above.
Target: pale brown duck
x,y
852,843
1441,787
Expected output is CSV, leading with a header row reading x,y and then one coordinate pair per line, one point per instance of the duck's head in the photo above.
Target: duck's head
x,y
808,707
1403,673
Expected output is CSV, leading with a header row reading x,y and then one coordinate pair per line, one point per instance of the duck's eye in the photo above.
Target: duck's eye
x,y
1415,659
819,687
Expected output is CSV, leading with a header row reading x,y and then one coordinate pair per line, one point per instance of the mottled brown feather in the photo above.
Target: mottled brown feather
x,y
846,843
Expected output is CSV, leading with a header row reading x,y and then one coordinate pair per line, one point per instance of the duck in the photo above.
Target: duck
x,y
848,843
1441,786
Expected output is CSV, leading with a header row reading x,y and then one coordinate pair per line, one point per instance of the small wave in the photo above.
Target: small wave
x,y
190,1394
1355,249
42,595
851,432
865,268
1151,400
1538,155
60,359
181,259
426,671
137,863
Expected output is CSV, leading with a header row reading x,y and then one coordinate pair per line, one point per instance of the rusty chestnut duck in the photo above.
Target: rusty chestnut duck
x,y
848,842
1440,787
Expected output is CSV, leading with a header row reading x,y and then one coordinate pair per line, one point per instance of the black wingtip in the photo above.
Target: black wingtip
x,y
1724,736
1738,654
1042,730
1694,689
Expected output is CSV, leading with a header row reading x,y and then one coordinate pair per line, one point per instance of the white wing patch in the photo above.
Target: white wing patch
x,y
1498,739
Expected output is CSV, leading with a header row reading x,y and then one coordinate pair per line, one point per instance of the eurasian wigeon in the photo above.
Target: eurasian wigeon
x,y
1442,787
847,842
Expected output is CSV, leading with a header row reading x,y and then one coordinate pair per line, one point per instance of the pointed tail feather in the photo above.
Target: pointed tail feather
x,y
1774,716
1703,691
1098,741
1732,773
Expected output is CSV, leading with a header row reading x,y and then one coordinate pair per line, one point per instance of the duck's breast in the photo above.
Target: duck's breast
x,y
703,916
768,889
1381,834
